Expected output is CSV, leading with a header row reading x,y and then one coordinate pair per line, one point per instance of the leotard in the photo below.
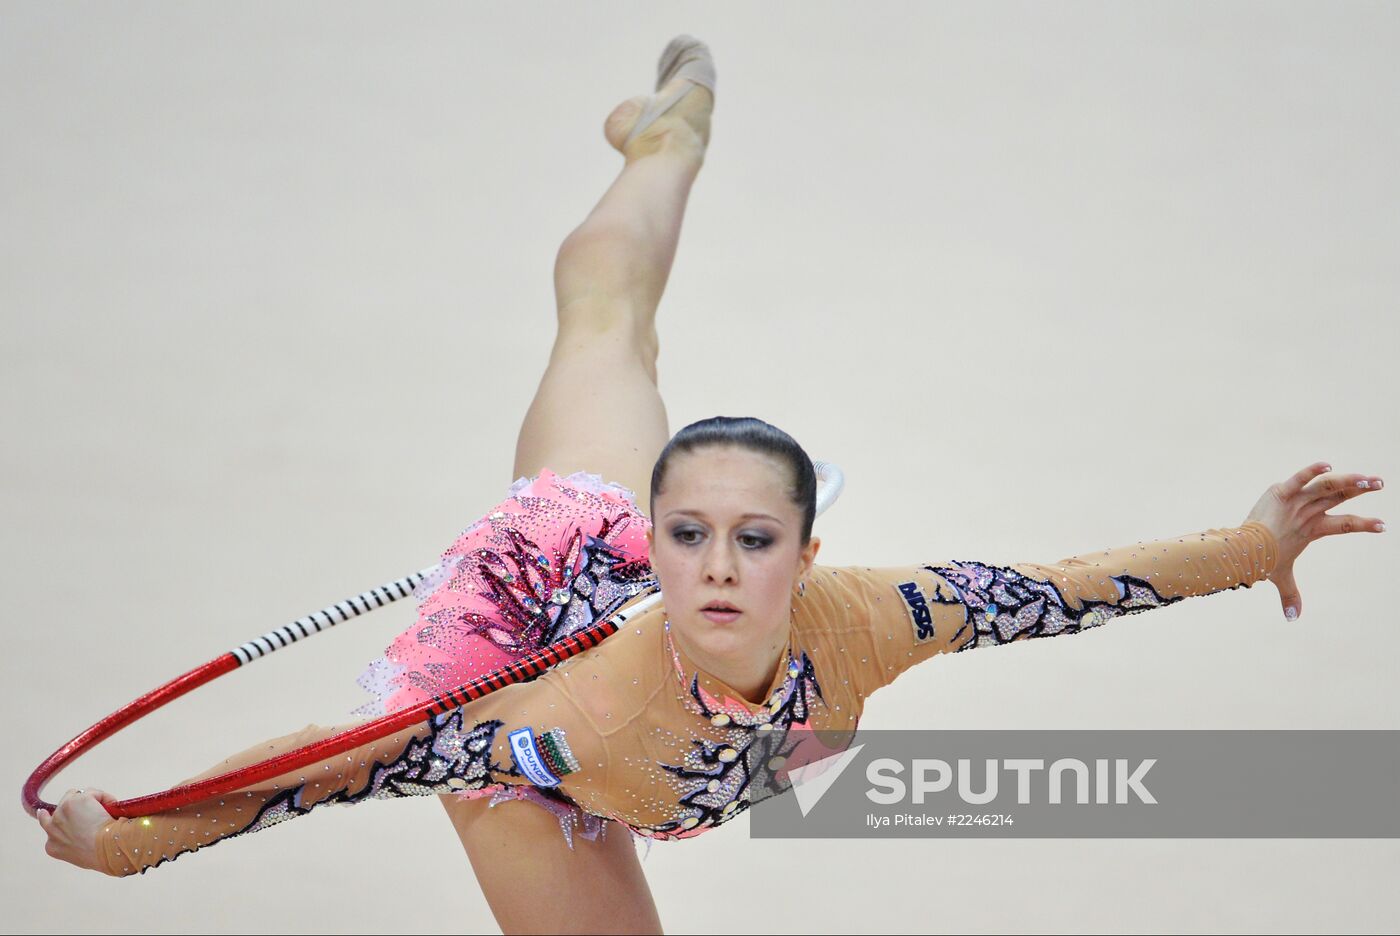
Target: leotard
x,y
632,730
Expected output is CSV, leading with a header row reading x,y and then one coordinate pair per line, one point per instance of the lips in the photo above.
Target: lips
x,y
719,606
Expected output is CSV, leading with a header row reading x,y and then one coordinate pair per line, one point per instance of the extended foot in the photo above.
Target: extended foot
x,y
685,124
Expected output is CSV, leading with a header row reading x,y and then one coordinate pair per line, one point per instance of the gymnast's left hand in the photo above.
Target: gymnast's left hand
x,y
73,827
1295,510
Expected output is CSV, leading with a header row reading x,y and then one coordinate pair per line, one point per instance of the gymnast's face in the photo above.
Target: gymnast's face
x,y
726,530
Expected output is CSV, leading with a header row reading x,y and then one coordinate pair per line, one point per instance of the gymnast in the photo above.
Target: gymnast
x,y
651,733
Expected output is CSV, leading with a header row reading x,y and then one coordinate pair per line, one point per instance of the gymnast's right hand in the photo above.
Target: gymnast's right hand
x,y
73,827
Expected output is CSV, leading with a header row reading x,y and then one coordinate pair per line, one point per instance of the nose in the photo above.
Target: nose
x,y
720,565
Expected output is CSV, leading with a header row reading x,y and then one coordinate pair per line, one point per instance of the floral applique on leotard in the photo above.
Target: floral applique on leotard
x,y
715,783
1002,605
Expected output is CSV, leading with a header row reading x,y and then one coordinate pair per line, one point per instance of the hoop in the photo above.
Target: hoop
x,y
830,482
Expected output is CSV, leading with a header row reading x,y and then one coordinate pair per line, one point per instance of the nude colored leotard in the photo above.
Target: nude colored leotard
x,y
633,731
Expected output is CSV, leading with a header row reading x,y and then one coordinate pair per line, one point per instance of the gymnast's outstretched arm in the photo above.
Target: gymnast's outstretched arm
x,y
486,743
919,610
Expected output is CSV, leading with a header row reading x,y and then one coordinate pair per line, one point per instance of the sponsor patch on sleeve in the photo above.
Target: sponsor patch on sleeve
x,y
919,612
529,759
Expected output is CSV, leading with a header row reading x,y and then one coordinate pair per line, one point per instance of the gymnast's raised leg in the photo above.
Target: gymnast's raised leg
x,y
608,278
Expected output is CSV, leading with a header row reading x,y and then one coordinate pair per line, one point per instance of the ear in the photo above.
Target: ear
x,y
809,555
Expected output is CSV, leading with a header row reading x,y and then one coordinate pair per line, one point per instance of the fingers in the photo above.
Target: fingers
x,y
1319,494
86,791
1346,523
1288,593
1342,486
45,816
1296,481
1333,491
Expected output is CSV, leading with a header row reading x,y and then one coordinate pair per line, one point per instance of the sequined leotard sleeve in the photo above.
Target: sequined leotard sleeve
x,y
916,611
488,742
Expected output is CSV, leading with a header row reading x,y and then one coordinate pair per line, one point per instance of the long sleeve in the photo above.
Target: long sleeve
x,y
494,740
916,611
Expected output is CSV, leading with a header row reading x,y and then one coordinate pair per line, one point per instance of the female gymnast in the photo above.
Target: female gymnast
x,y
654,728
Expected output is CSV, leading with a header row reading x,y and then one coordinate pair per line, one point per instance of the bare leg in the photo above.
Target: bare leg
x,y
608,279
535,884
609,276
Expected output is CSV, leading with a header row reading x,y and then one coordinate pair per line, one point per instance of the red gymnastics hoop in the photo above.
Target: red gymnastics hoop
x,y
521,670
830,482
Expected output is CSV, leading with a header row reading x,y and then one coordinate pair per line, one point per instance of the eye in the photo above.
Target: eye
x,y
750,541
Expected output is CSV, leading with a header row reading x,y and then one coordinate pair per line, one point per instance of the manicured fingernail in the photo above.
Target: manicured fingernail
x,y
1362,483
1379,484
1291,613
1380,527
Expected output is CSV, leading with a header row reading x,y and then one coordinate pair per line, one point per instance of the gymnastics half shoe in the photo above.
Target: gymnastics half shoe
x,y
687,58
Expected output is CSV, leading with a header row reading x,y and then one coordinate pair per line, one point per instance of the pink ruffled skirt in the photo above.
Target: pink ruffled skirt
x,y
559,554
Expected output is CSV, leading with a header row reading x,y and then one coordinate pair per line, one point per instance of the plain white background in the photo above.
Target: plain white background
x,y
1042,278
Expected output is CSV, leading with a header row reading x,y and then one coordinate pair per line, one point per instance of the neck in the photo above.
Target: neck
x,y
751,674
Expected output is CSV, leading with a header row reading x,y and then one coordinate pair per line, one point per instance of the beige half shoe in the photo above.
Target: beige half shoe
x,y
684,57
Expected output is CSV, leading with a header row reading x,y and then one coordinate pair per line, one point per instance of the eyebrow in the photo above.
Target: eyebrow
x,y
696,513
